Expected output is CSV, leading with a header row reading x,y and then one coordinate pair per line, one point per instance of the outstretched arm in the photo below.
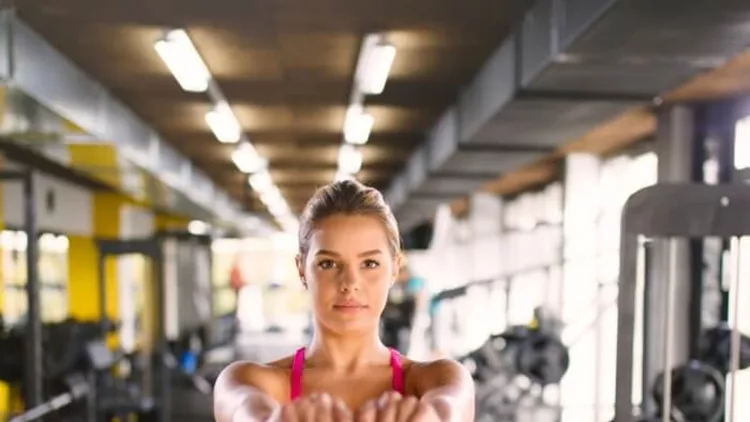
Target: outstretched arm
x,y
448,388
238,394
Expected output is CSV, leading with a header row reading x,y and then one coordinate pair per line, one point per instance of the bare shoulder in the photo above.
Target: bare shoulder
x,y
424,375
271,378
437,367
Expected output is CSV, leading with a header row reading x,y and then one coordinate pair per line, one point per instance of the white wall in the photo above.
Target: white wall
x,y
72,213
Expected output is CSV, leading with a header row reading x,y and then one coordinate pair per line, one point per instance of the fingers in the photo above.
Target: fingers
x,y
323,405
322,408
406,409
389,404
423,412
368,412
288,414
341,412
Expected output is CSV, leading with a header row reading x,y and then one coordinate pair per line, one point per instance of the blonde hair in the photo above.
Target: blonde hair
x,y
347,197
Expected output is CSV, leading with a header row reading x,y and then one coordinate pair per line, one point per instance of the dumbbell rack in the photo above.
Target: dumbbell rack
x,y
670,211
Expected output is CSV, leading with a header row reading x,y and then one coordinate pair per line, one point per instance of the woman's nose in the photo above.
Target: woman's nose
x,y
351,277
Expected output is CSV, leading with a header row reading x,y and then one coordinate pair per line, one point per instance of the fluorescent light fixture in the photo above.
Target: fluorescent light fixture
x,y
357,125
350,159
183,60
279,208
377,66
197,227
223,124
247,160
261,181
271,196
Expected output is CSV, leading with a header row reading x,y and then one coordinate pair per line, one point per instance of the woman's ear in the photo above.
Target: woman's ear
x,y
397,262
301,269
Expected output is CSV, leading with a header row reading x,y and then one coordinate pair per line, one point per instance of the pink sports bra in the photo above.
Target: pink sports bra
x,y
298,365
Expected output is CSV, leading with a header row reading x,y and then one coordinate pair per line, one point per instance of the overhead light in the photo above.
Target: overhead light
x,y
350,159
357,125
223,124
247,160
197,227
261,181
279,208
183,60
379,60
271,196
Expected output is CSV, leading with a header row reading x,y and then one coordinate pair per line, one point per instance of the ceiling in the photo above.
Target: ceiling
x,y
286,67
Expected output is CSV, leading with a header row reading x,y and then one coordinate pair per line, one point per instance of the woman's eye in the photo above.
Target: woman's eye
x,y
326,264
371,264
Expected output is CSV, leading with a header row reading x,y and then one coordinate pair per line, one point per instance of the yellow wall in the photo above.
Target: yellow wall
x,y
83,284
170,222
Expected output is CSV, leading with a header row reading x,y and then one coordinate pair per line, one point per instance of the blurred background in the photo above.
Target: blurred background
x,y
570,179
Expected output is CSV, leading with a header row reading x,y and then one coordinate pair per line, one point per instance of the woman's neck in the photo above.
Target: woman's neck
x,y
348,351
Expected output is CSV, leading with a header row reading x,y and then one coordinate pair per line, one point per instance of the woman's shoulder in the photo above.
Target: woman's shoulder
x,y
270,377
251,372
249,367
432,366
432,371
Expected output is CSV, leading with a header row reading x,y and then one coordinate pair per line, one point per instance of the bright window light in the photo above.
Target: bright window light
x,y
377,67
350,159
197,227
247,160
357,125
223,124
183,60
261,181
742,144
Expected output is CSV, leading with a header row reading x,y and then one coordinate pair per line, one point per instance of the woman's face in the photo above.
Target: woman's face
x,y
348,269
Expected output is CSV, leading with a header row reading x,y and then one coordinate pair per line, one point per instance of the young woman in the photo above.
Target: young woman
x,y
349,257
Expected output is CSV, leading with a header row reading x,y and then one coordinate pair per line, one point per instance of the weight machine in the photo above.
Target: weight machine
x,y
184,327
666,212
532,354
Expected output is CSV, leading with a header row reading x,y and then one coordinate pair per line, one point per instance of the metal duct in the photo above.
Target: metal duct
x,y
30,67
569,67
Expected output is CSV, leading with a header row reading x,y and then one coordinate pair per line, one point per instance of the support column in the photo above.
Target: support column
x,y
675,145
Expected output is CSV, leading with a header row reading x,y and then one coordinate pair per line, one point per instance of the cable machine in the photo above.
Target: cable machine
x,y
668,212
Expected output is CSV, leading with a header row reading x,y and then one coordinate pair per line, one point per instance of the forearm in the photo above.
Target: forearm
x,y
245,404
255,408
449,408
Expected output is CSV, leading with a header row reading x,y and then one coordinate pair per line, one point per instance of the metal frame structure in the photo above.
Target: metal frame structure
x,y
150,248
32,393
668,211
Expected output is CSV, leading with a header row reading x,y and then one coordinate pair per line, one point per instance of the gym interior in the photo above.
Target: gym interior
x,y
570,178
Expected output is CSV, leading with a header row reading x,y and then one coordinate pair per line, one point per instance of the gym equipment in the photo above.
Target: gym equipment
x,y
715,349
533,353
33,341
697,393
63,343
698,387
182,328
668,211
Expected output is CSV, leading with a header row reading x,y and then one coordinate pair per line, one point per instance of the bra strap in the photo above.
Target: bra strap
x,y
298,364
398,371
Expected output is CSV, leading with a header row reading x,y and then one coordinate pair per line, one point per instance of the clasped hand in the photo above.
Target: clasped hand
x,y
391,407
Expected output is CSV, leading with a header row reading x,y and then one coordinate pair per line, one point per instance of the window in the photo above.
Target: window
x,y
52,270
